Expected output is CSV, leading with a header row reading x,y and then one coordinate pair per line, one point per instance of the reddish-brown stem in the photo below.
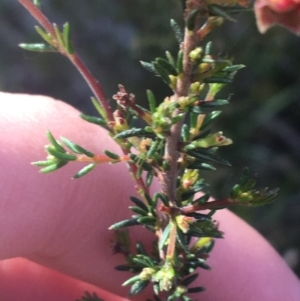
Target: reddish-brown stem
x,y
207,206
39,16
93,84
74,58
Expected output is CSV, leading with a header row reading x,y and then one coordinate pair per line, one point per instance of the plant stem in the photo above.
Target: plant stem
x,y
74,58
39,16
94,85
172,141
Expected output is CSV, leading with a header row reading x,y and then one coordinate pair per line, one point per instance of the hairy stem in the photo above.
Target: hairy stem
x,y
172,141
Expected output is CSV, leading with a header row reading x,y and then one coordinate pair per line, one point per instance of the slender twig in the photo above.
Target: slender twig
x,y
94,85
172,141
38,15
74,58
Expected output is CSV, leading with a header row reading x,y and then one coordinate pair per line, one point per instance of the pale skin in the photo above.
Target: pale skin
x,y
51,221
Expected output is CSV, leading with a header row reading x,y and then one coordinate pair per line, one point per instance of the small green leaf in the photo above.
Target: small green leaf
x,y
161,72
149,178
95,120
149,67
218,80
153,148
124,224
140,249
60,155
152,101
38,47
189,279
200,263
131,280
207,155
208,47
201,165
45,35
197,289
182,240
216,10
53,167
99,108
76,148
85,170
139,203
67,38
149,199
233,68
147,220
111,155
205,106
185,132
166,65
165,236
138,286
43,163
170,59
177,30
138,210
59,36
192,18
134,132
209,118
54,142
162,197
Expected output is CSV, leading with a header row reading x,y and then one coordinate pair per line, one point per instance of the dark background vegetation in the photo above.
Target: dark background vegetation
x,y
112,36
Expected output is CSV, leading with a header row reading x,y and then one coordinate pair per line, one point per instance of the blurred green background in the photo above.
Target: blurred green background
x,y
112,36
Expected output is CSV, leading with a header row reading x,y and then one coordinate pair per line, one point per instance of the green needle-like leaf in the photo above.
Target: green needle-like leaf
x,y
124,224
177,30
165,236
152,101
54,142
85,170
60,155
76,148
138,286
53,167
38,47
45,35
67,38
